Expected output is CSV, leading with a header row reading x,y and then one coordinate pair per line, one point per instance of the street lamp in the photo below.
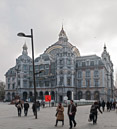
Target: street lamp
x,y
31,36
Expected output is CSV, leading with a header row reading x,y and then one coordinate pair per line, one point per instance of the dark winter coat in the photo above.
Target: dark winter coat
x,y
26,106
73,110
94,109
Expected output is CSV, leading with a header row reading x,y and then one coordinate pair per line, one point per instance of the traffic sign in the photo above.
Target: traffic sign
x,y
47,98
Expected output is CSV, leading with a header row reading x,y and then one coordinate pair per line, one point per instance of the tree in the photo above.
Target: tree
x,y
2,90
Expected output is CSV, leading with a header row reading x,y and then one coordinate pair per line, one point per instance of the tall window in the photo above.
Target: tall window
x,y
78,63
87,73
96,73
46,83
79,74
8,79
79,83
61,81
25,83
87,83
92,63
83,64
13,86
25,67
68,81
96,82
41,83
61,61
8,86
68,62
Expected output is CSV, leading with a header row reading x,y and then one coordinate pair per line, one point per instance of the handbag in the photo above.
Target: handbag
x,y
56,113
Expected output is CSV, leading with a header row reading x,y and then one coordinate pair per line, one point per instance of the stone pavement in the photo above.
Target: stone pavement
x,y
46,119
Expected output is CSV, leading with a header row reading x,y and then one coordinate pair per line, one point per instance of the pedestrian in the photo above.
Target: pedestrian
x,y
114,105
94,112
71,113
19,107
108,106
103,105
43,103
99,103
34,108
26,107
38,105
60,114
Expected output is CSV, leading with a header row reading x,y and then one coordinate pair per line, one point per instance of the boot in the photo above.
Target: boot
x,y
62,122
56,122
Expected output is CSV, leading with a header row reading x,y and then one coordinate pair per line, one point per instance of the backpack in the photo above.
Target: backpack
x,y
19,105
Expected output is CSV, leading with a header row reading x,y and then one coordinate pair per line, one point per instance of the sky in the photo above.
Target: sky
x,y
89,24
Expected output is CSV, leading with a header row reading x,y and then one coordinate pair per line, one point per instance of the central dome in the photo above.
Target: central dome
x,y
60,44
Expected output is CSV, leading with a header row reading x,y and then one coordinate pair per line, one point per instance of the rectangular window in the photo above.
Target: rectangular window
x,y
79,74
87,83
68,62
96,81
13,86
18,83
52,83
87,73
61,81
41,66
30,84
87,63
8,86
79,83
41,83
61,61
25,83
92,63
96,73
8,79
83,64
46,83
47,72
46,66
13,79
25,67
68,81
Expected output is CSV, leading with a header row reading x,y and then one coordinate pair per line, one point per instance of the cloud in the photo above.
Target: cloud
x,y
88,24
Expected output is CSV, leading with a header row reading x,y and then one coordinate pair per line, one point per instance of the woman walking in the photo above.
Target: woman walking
x,y
59,114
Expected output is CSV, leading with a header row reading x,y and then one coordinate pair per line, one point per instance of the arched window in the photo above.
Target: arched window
x,y
69,95
88,95
80,95
96,95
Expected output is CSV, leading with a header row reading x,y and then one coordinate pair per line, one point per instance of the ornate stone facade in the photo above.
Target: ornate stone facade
x,y
64,72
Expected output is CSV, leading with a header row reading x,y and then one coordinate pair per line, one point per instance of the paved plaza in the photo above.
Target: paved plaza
x,y
46,119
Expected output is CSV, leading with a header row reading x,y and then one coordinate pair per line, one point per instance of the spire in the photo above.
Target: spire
x,y
25,49
104,46
62,35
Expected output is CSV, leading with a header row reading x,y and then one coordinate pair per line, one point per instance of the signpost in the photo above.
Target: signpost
x,y
48,99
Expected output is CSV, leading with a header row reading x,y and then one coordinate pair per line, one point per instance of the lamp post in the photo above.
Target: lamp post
x,y
31,36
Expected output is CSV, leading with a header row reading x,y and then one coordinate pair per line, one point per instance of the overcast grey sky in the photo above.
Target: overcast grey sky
x,y
88,24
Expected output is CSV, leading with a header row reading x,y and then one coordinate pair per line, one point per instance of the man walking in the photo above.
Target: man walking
x,y
103,105
71,114
26,106
19,107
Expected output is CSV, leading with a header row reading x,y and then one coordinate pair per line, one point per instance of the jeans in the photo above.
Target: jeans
x,y
19,111
72,119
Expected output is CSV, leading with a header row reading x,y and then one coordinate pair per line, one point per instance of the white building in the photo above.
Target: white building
x,y
66,73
